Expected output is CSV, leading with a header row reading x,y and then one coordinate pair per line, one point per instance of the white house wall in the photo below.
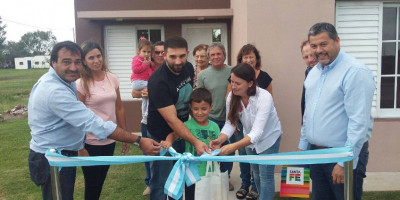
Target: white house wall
x,y
358,25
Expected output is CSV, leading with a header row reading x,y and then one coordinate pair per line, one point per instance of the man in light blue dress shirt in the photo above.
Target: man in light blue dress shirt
x,y
58,120
338,98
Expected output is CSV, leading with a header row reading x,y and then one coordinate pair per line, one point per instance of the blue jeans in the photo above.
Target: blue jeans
x,y
225,166
39,170
264,174
160,171
143,129
322,183
245,172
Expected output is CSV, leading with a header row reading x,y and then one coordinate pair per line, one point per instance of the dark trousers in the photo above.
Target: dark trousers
x,y
39,170
143,129
189,192
225,166
322,183
160,171
95,175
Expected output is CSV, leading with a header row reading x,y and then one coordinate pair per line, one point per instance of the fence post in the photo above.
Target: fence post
x,y
55,181
348,180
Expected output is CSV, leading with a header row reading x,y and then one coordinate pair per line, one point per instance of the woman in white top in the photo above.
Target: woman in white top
x,y
254,108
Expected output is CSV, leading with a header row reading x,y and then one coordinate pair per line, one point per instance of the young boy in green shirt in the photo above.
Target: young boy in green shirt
x,y
203,129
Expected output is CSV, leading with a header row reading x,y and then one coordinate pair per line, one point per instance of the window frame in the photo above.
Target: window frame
x,y
387,112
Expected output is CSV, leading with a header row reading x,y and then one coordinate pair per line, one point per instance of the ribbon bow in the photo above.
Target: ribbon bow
x,y
184,170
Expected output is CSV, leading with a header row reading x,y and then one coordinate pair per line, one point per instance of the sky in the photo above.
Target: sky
x,y
22,16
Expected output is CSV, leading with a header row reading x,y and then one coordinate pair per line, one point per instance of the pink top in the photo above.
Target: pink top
x,y
140,70
102,102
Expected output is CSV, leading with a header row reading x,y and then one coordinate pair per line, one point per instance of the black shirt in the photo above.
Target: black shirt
x,y
263,80
165,89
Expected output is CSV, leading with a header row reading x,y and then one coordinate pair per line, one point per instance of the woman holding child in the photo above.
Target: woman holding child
x,y
254,108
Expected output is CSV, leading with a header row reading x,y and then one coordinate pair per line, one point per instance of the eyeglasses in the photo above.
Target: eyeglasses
x,y
158,52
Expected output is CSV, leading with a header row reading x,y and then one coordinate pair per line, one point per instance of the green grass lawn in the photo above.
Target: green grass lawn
x,y
15,86
123,181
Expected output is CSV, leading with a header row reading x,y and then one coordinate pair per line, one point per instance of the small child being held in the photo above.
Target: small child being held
x,y
203,129
141,71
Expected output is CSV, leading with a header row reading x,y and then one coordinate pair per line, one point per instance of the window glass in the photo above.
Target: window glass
x,y
155,35
21,63
398,93
216,35
388,57
389,23
387,92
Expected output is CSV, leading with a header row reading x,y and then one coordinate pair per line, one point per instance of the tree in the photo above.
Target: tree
x,y
2,41
38,42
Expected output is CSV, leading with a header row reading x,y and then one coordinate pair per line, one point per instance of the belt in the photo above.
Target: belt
x,y
69,153
313,146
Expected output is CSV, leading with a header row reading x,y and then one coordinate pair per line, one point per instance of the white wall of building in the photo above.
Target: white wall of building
x,y
35,62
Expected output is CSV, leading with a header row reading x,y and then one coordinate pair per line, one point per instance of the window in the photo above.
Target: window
x,y
37,63
21,63
154,35
216,35
390,58
370,32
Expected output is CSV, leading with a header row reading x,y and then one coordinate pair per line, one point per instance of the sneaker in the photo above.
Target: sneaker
x,y
231,188
146,191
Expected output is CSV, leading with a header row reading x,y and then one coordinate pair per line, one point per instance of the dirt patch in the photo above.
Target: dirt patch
x,y
18,112
11,78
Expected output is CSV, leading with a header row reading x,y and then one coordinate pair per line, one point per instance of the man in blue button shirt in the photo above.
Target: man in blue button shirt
x,y
58,120
338,98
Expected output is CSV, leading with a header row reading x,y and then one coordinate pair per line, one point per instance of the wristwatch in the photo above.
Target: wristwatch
x,y
137,142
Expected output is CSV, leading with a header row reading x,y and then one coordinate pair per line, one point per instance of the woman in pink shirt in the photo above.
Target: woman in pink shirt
x,y
98,89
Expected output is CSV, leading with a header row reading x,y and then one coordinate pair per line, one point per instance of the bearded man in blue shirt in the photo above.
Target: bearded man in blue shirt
x,y
58,120
338,97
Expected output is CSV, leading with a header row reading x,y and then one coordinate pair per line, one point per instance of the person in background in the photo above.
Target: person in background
x,y
158,59
249,54
98,89
338,101
310,61
201,59
215,79
254,108
141,72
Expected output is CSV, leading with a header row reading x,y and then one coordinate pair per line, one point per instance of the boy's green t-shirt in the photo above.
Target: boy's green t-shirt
x,y
204,134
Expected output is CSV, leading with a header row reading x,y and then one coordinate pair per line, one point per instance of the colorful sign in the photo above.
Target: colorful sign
x,y
295,181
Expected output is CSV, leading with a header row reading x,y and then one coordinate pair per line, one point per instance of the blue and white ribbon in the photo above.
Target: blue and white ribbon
x,y
185,169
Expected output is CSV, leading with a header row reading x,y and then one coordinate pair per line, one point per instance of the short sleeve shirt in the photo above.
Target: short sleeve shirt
x,y
204,134
166,89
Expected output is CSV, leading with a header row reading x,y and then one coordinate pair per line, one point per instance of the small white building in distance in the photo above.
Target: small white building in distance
x,y
32,62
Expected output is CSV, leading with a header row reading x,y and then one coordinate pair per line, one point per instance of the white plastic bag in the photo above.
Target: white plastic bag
x,y
214,185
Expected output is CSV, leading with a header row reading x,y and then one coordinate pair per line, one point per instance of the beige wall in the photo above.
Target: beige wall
x,y
277,28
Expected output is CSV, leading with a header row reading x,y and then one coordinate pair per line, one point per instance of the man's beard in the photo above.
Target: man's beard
x,y
175,69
